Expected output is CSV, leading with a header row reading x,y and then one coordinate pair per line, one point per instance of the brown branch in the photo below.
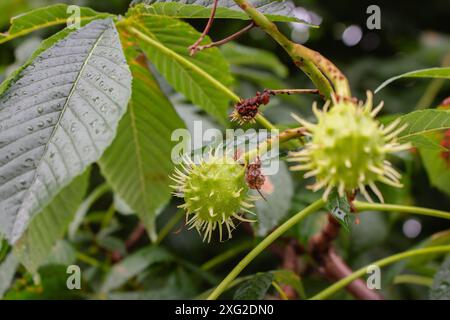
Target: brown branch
x,y
193,48
225,40
288,251
132,240
320,243
135,236
332,266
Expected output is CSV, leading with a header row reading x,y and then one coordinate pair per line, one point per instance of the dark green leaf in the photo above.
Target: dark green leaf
x,y
204,78
423,122
443,73
426,142
437,239
240,55
291,279
255,288
143,149
45,17
370,232
52,286
226,9
132,265
339,207
436,165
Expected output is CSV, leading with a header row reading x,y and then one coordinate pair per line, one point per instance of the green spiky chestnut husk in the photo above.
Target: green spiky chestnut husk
x,y
348,149
214,192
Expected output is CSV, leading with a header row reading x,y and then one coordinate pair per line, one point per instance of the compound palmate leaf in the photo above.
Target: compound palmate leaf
x,y
138,163
57,118
226,9
204,78
57,14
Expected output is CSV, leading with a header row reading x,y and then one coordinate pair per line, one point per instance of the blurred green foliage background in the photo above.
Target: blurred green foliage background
x,y
413,35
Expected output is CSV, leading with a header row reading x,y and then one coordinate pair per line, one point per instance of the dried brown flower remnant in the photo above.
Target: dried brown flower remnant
x,y
246,110
254,177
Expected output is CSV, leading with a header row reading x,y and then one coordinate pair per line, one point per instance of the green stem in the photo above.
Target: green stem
x,y
413,279
283,295
264,122
433,88
322,72
263,245
96,194
108,216
169,226
380,263
90,261
265,146
128,26
363,206
234,251
430,93
181,60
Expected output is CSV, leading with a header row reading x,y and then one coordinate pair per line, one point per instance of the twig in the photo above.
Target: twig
x,y
332,266
293,91
133,29
225,40
322,72
336,269
194,48
321,243
380,263
135,236
169,226
132,240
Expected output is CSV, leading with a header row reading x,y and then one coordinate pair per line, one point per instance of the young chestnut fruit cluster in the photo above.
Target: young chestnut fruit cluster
x,y
347,150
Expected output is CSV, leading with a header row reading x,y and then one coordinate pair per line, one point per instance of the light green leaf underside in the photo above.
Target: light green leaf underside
x,y
440,290
7,270
34,247
45,17
47,43
57,117
204,78
282,11
423,122
443,73
138,163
